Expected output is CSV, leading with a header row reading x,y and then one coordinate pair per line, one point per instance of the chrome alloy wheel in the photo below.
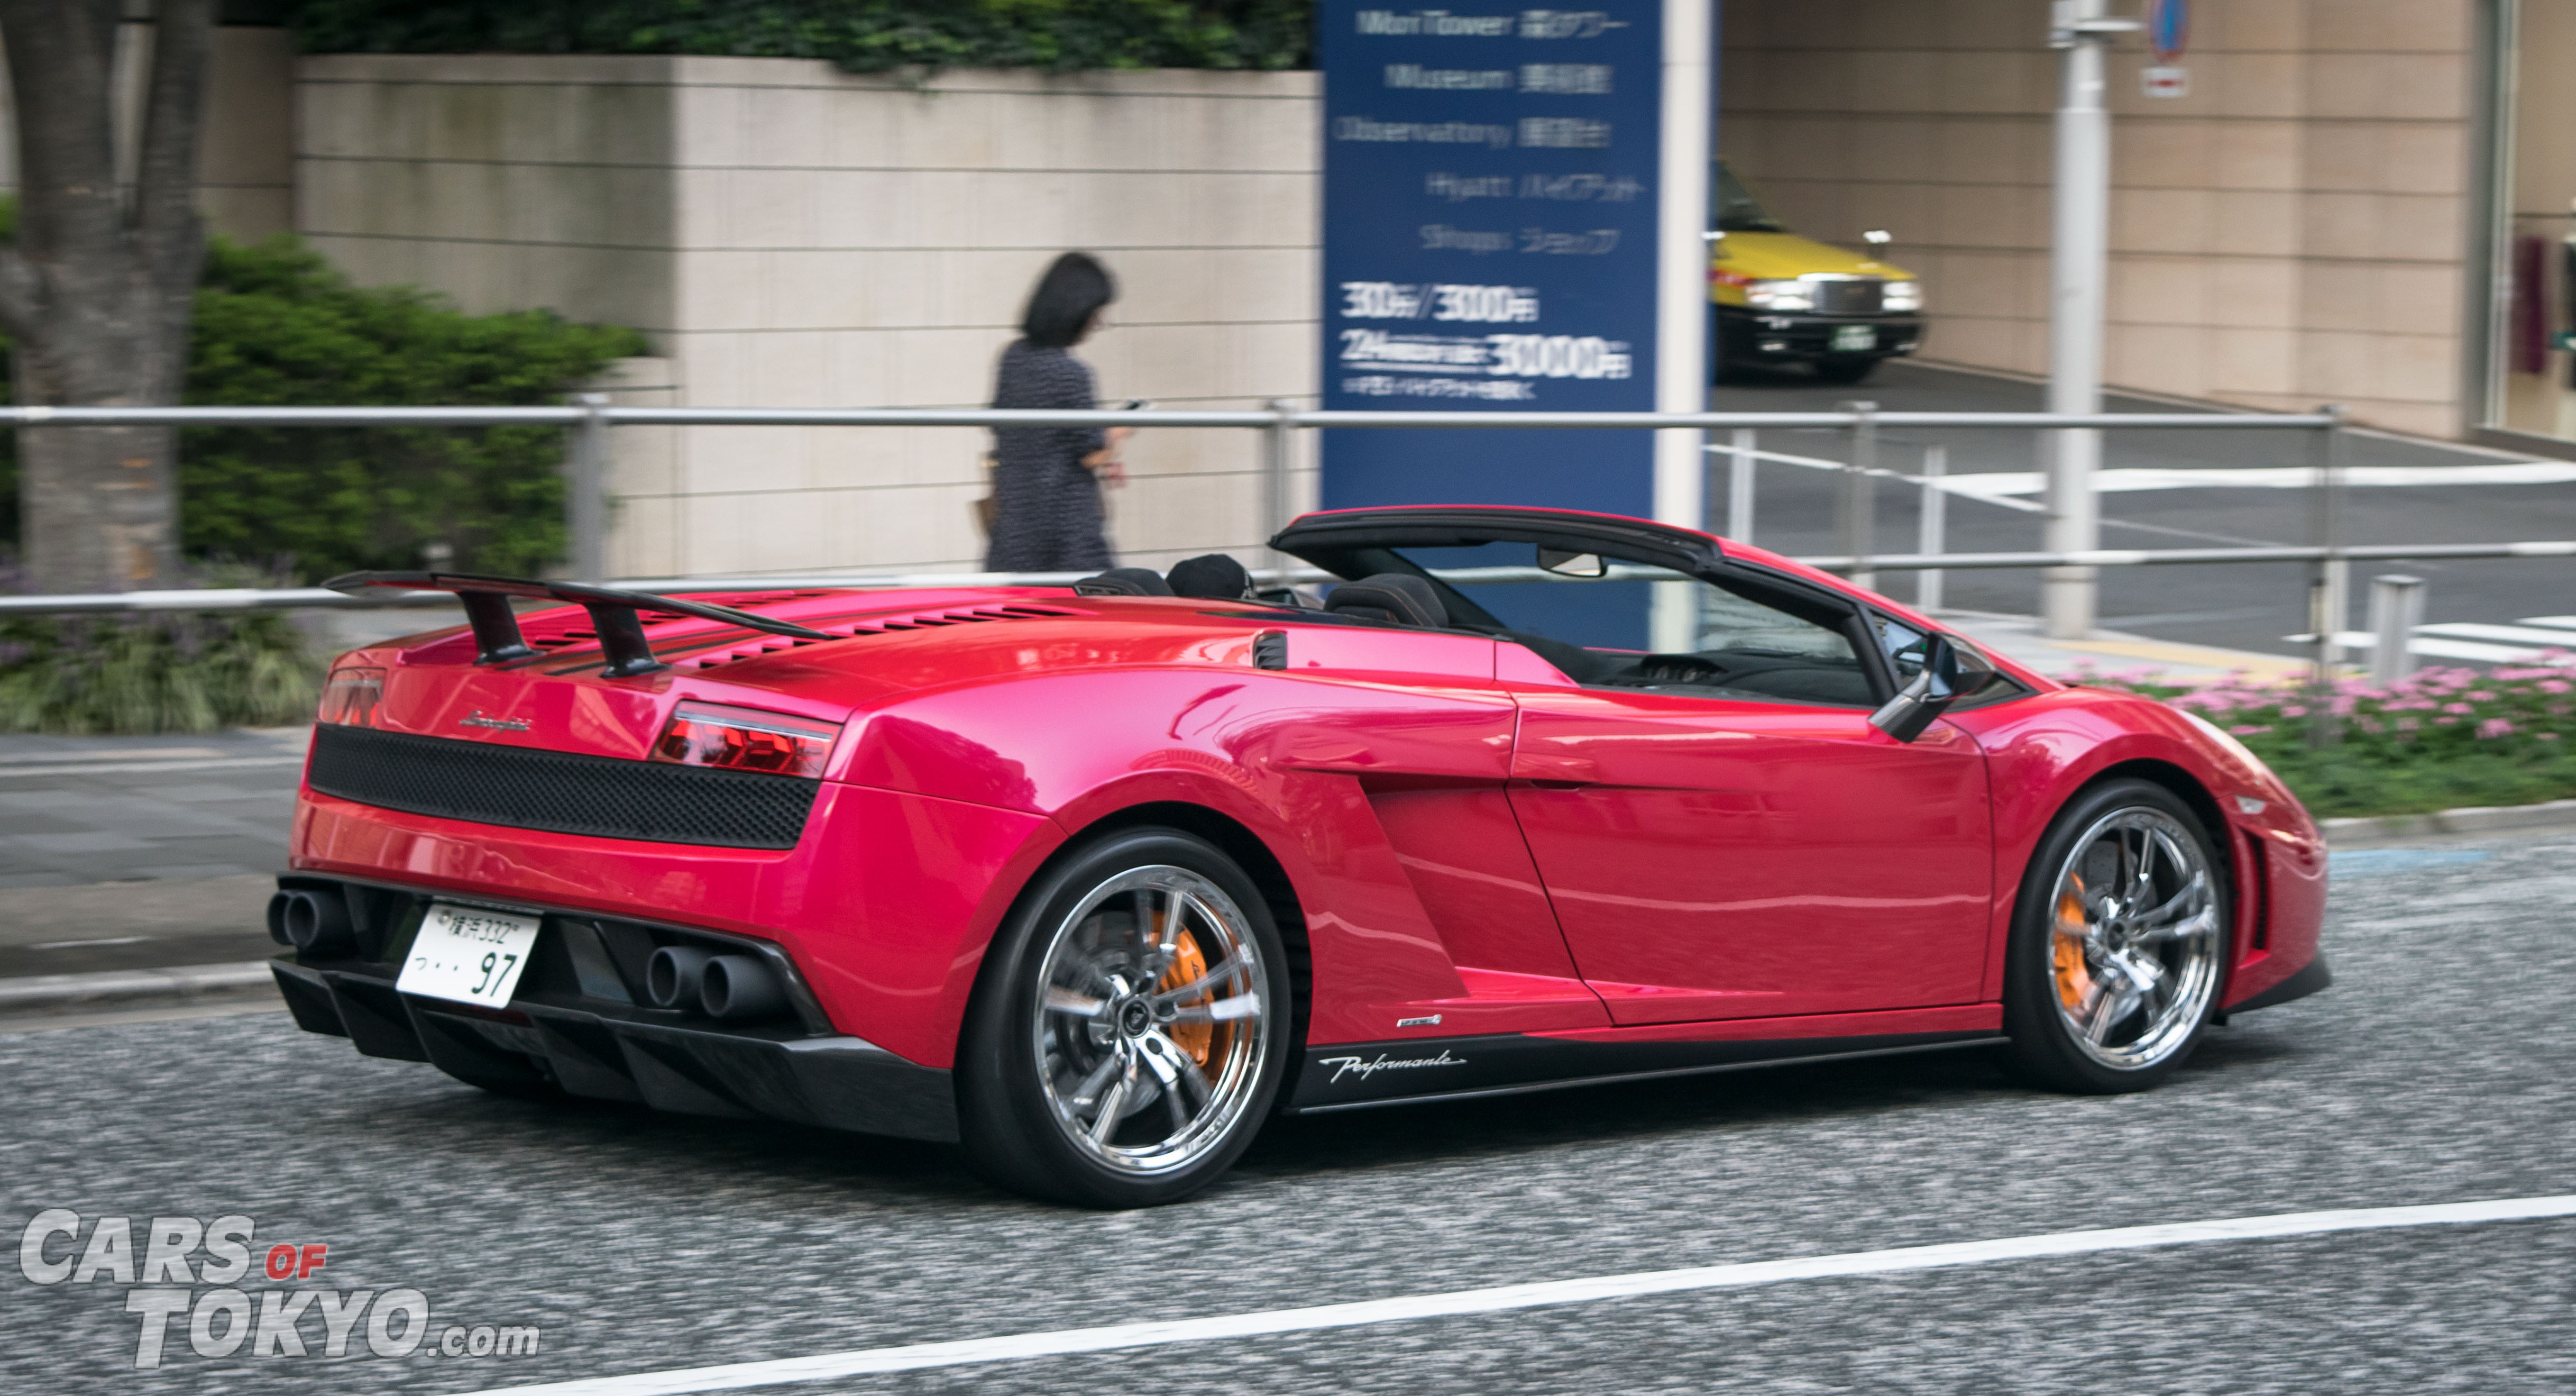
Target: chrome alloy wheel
x,y
1149,1033
2135,935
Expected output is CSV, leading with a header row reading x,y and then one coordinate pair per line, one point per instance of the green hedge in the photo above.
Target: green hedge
x,y
80,675
863,36
276,325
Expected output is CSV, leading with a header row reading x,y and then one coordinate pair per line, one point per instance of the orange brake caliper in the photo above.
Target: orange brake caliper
x,y
1197,1039
2074,981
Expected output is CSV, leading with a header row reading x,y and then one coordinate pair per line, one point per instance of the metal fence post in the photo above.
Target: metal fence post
x,y
2328,591
587,510
1929,526
1278,449
1859,498
2396,608
1739,486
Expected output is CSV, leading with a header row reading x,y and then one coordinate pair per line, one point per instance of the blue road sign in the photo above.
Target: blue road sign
x,y
1489,245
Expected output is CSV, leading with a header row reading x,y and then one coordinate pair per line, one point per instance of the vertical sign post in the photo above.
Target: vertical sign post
x,y
1494,240
2082,224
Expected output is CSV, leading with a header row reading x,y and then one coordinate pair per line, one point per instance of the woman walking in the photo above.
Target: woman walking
x,y
1046,480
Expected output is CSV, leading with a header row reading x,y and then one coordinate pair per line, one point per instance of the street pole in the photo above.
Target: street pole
x,y
1681,295
2080,30
588,486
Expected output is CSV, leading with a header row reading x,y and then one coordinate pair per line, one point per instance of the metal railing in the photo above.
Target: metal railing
x,y
591,417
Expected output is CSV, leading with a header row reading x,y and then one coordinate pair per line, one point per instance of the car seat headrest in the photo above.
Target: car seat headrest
x,y
1124,581
1396,596
1213,577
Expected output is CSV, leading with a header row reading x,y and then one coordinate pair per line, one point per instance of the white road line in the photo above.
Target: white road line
x,y
230,763
1021,1346
2502,634
2129,480
2434,647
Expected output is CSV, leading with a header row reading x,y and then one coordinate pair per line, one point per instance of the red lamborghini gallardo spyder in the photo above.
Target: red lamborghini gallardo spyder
x,y
1095,879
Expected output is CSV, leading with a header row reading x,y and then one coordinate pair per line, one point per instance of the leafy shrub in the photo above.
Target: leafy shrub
x,y
862,36
276,325
156,672
2442,739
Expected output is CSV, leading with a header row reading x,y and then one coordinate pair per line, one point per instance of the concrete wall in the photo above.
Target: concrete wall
x,y
792,235
2290,233
245,152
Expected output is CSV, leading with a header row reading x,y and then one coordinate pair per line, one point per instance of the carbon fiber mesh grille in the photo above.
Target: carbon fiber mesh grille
x,y
560,792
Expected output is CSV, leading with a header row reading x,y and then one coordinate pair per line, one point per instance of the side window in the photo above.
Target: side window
x,y
1590,615
1747,648
1906,648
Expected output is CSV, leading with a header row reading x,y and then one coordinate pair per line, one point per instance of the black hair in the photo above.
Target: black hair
x,y
1072,291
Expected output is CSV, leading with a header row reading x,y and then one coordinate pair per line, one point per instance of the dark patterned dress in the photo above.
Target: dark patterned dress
x,y
1046,505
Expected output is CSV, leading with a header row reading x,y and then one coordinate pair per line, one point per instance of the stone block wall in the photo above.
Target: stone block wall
x,y
794,236
2292,232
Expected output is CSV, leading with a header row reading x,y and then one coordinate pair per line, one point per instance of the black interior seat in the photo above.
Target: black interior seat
x,y
1211,577
1390,596
1124,581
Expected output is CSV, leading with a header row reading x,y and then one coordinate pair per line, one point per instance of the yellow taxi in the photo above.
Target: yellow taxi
x,y
1778,298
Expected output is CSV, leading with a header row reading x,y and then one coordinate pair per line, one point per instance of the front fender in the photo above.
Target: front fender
x,y
2042,750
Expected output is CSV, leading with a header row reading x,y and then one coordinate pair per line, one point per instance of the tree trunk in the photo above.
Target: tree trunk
x,y
96,296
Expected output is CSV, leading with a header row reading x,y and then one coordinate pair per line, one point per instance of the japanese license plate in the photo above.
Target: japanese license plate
x,y
1850,337
468,954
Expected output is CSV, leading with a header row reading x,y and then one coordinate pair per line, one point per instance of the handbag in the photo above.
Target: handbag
x,y
986,507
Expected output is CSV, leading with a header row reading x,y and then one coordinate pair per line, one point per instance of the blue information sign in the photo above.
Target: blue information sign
x,y
1489,245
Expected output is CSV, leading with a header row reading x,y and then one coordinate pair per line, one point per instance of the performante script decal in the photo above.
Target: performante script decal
x,y
497,724
1353,1066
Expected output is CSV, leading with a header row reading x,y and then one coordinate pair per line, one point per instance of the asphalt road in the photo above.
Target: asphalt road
x,y
2442,1068
2238,606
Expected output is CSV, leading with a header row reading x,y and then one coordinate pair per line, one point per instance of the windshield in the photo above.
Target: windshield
x,y
1733,207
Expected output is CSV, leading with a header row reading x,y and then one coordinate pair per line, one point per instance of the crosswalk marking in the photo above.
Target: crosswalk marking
x,y
2521,642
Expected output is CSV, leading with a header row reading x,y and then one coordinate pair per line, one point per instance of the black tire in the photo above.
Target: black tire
x,y
2046,1044
1845,370
1018,1056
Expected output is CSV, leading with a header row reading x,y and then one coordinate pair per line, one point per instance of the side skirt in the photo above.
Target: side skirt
x,y
1357,1076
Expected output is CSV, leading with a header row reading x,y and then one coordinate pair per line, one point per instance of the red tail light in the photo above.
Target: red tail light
x,y
745,739
350,695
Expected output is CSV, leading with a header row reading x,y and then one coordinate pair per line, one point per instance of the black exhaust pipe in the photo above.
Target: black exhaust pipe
x,y
671,976
314,922
740,989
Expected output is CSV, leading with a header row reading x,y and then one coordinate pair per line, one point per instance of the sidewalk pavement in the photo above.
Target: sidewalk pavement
x,y
130,853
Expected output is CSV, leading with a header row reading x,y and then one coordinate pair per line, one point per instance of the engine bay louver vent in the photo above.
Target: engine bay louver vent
x,y
875,625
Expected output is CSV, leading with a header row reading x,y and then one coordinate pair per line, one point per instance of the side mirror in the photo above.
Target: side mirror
x,y
1571,564
1933,691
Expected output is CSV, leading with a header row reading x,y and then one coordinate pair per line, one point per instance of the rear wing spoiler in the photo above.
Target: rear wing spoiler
x,y
615,615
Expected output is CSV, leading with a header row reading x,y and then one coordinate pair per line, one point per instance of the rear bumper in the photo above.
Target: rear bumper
x,y
603,1053
1751,336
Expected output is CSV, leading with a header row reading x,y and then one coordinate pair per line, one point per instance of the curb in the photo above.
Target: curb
x,y
40,995
2474,819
